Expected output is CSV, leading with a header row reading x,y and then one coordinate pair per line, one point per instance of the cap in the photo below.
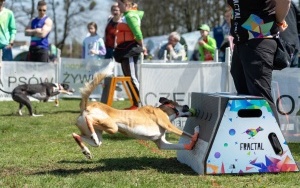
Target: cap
x,y
204,27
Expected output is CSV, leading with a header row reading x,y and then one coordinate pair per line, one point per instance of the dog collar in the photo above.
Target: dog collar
x,y
173,108
59,87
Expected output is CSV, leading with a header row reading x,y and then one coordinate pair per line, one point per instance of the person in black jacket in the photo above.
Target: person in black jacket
x,y
291,34
254,24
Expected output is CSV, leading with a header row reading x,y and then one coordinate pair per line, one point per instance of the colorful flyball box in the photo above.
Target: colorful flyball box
x,y
238,135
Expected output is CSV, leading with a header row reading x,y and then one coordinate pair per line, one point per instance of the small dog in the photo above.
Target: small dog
x,y
41,92
147,123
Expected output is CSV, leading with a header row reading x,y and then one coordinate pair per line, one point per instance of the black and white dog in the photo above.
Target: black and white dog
x,y
41,92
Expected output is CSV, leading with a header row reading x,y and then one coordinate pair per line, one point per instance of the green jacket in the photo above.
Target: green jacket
x,y
7,27
133,19
210,46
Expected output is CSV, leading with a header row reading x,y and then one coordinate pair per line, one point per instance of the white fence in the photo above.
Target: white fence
x,y
173,80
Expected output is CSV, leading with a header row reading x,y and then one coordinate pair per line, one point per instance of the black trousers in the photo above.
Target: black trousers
x,y
37,54
130,69
251,69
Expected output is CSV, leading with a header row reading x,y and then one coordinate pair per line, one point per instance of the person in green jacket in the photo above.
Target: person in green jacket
x,y
207,44
7,31
130,44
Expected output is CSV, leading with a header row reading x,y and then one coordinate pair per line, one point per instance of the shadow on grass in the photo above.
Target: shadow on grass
x,y
65,111
11,114
15,114
163,165
295,149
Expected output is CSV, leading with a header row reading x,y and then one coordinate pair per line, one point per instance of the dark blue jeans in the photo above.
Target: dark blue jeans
x,y
251,69
7,54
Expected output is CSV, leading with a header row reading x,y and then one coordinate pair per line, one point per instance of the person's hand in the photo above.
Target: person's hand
x,y
93,52
201,42
282,26
169,47
9,46
38,30
145,51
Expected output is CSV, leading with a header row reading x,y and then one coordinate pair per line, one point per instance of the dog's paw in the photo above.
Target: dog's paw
x,y
86,152
37,115
196,129
95,138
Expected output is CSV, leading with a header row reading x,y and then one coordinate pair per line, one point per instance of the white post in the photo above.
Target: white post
x,y
228,64
216,58
140,78
57,72
165,56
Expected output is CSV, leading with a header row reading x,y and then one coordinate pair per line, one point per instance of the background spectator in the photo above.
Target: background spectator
x,y
291,34
227,42
207,44
39,29
7,32
93,46
53,52
110,30
175,50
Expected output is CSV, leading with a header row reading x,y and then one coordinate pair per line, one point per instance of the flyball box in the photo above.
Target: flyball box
x,y
238,135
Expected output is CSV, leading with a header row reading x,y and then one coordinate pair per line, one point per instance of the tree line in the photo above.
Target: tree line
x,y
163,17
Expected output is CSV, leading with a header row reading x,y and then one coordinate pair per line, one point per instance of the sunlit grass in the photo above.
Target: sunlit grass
x,y
40,152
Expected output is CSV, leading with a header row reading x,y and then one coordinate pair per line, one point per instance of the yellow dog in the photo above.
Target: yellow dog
x,y
146,123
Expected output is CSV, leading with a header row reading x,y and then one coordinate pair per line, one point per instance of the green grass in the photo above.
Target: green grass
x,y
40,152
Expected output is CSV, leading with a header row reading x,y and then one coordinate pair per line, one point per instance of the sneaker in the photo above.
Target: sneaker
x,y
131,108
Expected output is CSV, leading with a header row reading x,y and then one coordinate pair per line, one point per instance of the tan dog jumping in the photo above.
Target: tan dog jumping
x,y
146,123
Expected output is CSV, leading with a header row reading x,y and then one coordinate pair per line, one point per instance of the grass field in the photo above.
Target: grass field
x,y
40,152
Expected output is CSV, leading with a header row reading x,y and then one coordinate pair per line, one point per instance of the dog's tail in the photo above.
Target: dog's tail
x,y
90,86
5,91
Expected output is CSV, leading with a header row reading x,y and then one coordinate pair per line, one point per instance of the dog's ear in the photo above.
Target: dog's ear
x,y
163,100
65,86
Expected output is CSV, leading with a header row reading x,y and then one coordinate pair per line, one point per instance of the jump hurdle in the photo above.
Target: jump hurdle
x,y
238,135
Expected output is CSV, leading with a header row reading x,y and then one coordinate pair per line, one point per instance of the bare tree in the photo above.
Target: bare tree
x,y
66,15
163,17
74,14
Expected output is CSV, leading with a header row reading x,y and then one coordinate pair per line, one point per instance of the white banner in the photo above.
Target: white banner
x,y
76,72
175,81
17,73
286,93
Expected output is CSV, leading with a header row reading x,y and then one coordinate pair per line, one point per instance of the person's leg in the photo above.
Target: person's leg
x,y
295,62
237,72
129,69
7,54
43,55
39,55
109,53
257,59
33,56
133,61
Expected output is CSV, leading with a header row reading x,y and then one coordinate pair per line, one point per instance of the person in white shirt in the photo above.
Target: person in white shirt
x,y
175,50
